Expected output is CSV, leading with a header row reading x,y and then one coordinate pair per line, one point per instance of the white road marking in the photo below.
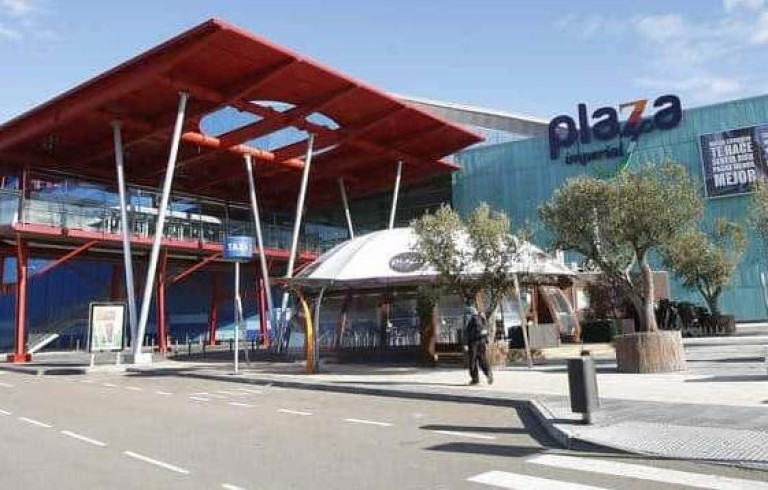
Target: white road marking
x,y
238,404
293,412
649,473
134,388
368,422
87,381
229,486
109,385
6,385
514,481
163,393
155,462
4,412
35,422
230,393
470,435
199,399
255,392
81,437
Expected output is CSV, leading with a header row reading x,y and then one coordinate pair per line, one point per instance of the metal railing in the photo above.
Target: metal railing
x,y
179,226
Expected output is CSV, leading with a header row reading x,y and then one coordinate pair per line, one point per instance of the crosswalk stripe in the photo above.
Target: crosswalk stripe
x,y
515,481
648,473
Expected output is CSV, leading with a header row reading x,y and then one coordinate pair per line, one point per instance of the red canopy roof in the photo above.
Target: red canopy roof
x,y
223,66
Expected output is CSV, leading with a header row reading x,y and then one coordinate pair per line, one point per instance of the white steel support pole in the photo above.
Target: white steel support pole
x,y
344,201
259,236
397,192
127,255
296,229
149,283
238,316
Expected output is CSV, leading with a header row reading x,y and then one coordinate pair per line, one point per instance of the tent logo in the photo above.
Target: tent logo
x,y
564,132
406,262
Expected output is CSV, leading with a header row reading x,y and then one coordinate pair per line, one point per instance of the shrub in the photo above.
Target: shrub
x,y
597,331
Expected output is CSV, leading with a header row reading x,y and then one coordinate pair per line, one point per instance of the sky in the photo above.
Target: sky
x,y
536,57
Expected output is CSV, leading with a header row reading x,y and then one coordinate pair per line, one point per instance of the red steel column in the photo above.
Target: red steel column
x,y
162,319
213,315
263,314
20,354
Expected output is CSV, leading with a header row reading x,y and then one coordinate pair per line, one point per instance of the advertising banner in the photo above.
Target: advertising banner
x,y
106,327
733,160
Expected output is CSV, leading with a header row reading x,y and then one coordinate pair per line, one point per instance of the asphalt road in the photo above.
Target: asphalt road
x,y
143,432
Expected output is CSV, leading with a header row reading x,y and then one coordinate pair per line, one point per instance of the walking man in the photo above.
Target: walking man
x,y
477,343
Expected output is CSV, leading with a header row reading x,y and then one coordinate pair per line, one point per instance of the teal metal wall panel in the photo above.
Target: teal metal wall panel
x,y
519,176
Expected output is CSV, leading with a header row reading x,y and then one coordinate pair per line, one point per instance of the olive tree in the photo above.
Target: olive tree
x,y
706,262
616,223
472,257
759,210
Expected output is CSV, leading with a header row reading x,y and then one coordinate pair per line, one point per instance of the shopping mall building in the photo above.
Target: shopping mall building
x,y
63,245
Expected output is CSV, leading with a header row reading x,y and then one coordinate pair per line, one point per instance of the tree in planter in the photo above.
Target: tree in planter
x,y
706,262
472,257
617,223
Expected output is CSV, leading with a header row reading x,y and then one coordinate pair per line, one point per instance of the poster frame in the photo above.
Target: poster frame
x,y
96,304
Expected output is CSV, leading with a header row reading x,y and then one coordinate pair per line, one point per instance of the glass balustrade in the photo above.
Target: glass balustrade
x,y
66,203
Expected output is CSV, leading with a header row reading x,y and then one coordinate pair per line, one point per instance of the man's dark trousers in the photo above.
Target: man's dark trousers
x,y
478,358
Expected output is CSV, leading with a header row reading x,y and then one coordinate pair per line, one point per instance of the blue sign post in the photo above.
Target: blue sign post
x,y
238,248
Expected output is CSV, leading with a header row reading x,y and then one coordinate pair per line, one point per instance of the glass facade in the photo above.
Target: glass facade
x,y
74,204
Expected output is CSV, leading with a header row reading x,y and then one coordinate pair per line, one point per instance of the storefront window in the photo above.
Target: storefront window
x,y
363,328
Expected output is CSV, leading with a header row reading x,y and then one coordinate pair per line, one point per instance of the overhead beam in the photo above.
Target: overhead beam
x,y
193,268
151,129
279,120
235,92
329,137
216,143
80,103
65,258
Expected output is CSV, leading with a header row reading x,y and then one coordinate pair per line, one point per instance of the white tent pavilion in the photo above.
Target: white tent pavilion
x,y
387,258
368,291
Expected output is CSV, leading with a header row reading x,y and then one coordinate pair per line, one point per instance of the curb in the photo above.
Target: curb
x,y
43,370
353,388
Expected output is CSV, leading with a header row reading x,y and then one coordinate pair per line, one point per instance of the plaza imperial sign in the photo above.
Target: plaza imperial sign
x,y
604,125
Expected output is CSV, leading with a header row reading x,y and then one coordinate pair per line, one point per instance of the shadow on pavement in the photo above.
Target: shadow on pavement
x,y
730,379
731,360
476,429
397,383
504,450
